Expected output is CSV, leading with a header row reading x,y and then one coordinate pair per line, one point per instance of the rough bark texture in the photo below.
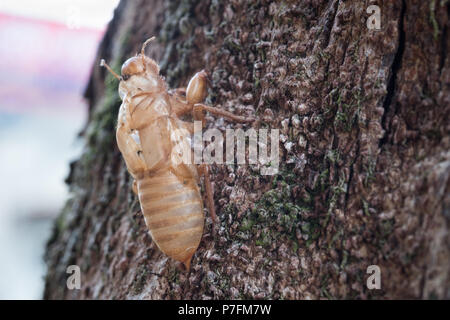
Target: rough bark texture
x,y
365,162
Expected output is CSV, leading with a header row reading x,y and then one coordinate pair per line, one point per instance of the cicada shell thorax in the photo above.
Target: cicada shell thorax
x,y
129,144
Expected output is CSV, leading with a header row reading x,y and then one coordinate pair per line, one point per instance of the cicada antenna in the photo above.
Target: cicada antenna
x,y
104,64
144,45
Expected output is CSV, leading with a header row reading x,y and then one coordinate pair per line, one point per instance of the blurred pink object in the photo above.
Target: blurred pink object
x,y
44,66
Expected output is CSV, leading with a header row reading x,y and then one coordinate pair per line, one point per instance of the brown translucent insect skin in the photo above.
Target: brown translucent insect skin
x,y
168,189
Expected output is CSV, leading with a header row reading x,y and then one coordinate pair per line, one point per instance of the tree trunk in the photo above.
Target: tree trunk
x,y
364,155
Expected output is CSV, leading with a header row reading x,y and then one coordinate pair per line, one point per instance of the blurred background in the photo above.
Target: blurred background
x,y
47,51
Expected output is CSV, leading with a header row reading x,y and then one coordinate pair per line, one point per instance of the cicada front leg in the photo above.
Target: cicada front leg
x,y
129,145
200,108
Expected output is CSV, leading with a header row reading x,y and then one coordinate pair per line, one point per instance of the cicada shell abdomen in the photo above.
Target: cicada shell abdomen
x,y
173,212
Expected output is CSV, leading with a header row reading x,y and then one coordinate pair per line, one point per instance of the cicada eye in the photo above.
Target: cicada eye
x,y
132,66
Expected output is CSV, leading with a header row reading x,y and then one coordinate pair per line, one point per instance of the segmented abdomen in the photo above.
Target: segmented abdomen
x,y
173,212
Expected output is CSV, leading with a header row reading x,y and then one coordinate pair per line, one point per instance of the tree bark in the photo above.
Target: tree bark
x,y
365,161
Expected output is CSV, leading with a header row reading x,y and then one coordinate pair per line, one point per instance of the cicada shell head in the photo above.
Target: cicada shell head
x,y
139,73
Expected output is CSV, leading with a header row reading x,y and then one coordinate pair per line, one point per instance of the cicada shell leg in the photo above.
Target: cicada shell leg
x,y
200,108
134,187
204,170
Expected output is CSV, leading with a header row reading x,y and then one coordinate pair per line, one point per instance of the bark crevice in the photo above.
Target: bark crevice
x,y
391,87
